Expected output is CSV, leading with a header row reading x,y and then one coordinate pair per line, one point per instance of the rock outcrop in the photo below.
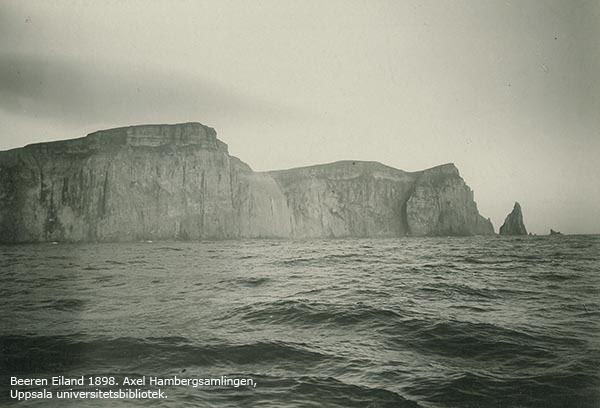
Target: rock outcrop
x,y
442,204
155,182
513,224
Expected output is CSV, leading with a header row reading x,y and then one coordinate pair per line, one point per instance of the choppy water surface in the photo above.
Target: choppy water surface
x,y
439,322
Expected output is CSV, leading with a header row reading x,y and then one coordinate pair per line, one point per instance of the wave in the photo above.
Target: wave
x,y
543,390
310,313
24,354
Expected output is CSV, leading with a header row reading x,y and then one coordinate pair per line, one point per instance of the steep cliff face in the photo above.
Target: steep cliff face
x,y
513,224
179,182
345,199
442,204
148,182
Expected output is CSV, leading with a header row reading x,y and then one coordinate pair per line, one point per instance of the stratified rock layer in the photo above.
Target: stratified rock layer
x,y
513,224
167,182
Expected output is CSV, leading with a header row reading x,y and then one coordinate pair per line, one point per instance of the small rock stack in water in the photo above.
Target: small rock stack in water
x,y
513,224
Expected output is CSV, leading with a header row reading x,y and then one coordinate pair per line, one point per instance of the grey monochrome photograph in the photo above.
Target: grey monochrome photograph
x,y
292,204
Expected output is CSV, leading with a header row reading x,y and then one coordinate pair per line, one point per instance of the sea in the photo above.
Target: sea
x,y
407,322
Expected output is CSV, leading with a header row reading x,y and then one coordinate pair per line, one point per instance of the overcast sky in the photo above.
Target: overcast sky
x,y
507,90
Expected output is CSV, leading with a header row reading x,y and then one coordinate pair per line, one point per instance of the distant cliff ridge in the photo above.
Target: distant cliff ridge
x,y
155,182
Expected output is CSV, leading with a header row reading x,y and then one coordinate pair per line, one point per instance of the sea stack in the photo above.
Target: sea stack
x,y
513,224
178,182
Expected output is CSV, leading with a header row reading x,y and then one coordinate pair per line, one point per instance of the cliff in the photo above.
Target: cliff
x,y
513,224
179,182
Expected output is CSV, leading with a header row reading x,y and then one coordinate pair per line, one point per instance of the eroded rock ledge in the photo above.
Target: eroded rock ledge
x,y
179,182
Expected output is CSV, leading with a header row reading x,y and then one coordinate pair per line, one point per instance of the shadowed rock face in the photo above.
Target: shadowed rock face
x,y
513,224
179,182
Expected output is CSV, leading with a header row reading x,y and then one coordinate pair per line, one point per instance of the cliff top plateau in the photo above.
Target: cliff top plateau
x,y
152,135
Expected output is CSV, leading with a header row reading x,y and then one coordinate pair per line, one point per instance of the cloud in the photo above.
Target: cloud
x,y
79,91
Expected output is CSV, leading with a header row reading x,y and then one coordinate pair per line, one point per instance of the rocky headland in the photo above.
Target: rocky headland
x,y
154,182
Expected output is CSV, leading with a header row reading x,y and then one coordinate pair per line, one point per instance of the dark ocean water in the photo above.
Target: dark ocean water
x,y
444,322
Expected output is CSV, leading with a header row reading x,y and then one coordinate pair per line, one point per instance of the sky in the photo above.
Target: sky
x,y
509,91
